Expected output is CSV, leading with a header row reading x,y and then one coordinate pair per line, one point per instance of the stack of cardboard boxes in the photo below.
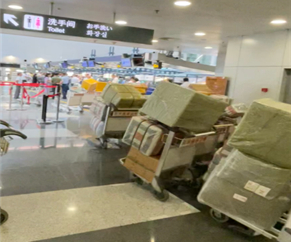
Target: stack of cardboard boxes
x,y
253,182
119,97
169,107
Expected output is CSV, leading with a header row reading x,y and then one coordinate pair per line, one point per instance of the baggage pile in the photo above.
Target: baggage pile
x,y
252,184
113,109
177,123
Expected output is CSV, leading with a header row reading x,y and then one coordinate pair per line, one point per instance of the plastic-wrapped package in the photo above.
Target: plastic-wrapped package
x,y
145,136
181,107
122,96
248,189
265,132
97,107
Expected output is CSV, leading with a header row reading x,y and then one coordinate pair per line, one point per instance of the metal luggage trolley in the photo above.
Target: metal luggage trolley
x,y
115,123
250,229
177,155
4,145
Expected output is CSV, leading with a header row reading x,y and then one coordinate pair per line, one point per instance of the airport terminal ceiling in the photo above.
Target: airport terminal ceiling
x,y
175,26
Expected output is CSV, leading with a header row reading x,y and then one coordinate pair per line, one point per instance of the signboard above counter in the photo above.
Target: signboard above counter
x,y
73,27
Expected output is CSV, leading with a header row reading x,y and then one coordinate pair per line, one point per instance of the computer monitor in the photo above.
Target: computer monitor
x,y
47,65
91,63
65,65
85,64
138,61
35,66
126,62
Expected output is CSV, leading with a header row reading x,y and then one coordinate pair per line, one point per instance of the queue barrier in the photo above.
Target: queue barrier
x,y
25,95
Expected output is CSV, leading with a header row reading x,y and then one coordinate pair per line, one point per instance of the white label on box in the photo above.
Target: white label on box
x,y
263,191
240,198
252,186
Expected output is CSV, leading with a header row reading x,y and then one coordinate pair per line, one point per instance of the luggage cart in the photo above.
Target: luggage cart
x,y
74,103
240,225
249,228
115,124
285,234
177,155
4,145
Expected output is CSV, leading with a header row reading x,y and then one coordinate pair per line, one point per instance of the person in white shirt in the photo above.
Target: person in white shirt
x,y
186,83
18,80
75,80
115,79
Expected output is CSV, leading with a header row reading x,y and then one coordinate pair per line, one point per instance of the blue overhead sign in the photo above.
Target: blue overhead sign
x,y
73,27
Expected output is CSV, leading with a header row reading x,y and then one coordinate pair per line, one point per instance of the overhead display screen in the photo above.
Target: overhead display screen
x,y
73,27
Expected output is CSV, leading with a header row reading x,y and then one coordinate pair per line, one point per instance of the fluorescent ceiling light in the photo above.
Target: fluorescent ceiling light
x,y
279,21
15,7
199,34
155,41
208,47
182,3
121,22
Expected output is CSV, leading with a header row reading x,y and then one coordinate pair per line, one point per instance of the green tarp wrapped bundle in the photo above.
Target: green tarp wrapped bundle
x,y
122,96
243,187
175,106
265,132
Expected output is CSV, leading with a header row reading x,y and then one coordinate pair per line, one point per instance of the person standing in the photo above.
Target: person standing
x,y
75,80
56,80
115,79
40,78
186,83
48,82
65,85
18,80
34,78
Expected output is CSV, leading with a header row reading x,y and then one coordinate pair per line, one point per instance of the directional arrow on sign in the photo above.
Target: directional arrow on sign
x,y
10,18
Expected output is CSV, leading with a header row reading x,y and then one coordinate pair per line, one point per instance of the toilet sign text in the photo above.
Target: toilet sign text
x,y
48,24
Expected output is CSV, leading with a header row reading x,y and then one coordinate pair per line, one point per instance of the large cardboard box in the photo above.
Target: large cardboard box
x,y
139,170
265,132
245,188
150,163
122,96
180,107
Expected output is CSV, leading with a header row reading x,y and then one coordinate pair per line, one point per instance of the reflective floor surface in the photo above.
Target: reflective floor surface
x,y
59,186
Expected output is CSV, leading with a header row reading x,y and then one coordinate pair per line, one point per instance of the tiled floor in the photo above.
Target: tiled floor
x,y
56,186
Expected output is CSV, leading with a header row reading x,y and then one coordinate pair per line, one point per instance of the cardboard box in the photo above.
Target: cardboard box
x,y
139,170
201,88
217,85
100,86
150,163
122,96
89,85
176,106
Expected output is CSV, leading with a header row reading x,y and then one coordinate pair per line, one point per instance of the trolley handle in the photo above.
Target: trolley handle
x,y
8,132
2,122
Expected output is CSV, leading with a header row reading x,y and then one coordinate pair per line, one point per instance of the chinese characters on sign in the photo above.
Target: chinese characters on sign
x,y
98,30
59,25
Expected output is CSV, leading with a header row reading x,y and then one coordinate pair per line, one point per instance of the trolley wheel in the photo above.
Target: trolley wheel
x,y
4,216
218,216
162,196
138,181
